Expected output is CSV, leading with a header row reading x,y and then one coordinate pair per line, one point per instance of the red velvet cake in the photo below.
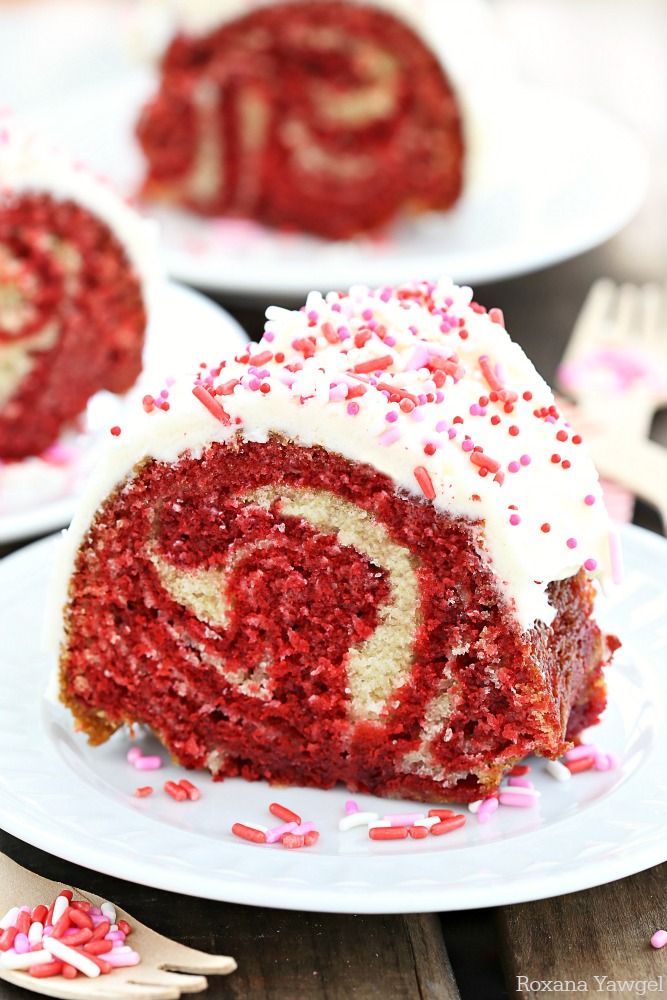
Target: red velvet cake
x,y
364,551
72,310
328,116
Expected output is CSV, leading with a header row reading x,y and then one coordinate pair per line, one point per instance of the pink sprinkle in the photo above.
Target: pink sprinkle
x,y
392,416
590,565
269,336
133,754
589,500
390,437
353,409
303,828
273,835
351,807
418,415
571,543
313,316
403,819
390,341
613,761
582,750
513,467
486,810
525,460
21,944
148,763
442,425
520,782
338,392
122,959
451,433
468,445
518,801
659,939
515,519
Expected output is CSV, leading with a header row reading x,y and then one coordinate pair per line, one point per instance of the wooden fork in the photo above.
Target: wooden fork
x,y
167,968
615,367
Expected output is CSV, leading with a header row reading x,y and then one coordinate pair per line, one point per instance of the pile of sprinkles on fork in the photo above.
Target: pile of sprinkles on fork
x,y
69,937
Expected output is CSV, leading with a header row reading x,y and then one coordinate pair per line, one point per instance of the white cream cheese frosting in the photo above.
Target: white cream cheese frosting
x,y
422,385
29,164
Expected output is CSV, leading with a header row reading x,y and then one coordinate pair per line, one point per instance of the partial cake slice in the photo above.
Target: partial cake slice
x,y
328,116
363,551
73,263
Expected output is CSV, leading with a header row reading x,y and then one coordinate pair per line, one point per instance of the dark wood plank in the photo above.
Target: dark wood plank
x,y
603,932
282,955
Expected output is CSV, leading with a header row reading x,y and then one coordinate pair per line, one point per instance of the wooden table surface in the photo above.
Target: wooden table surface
x,y
615,55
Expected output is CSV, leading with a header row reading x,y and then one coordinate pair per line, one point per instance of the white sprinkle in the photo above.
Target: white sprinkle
x,y
13,960
70,955
357,819
427,821
376,824
9,918
109,911
35,932
474,806
59,907
556,770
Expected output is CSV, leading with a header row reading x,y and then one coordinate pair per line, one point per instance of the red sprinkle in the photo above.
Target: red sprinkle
x,y
68,971
142,792
442,813
292,841
39,913
79,918
124,927
425,481
176,792
519,770
61,926
448,825
418,832
583,764
97,947
191,790
546,527
23,922
211,404
261,358
46,970
388,832
104,966
374,365
483,461
496,316
7,938
311,838
115,430
81,937
78,904
247,833
489,374
285,814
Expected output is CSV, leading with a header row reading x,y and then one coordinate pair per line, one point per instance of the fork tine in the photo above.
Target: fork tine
x,y
590,321
651,315
176,980
626,325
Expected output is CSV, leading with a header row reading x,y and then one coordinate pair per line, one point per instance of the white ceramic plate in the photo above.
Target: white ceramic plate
x,y
38,495
554,178
77,802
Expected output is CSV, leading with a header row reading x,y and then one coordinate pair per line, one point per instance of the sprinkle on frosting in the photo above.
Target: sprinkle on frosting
x,y
383,377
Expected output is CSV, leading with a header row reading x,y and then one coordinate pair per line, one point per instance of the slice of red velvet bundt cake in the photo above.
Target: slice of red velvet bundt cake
x,y
328,116
73,260
363,551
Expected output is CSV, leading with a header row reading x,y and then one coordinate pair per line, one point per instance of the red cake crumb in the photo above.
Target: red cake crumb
x,y
70,297
266,694
328,117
